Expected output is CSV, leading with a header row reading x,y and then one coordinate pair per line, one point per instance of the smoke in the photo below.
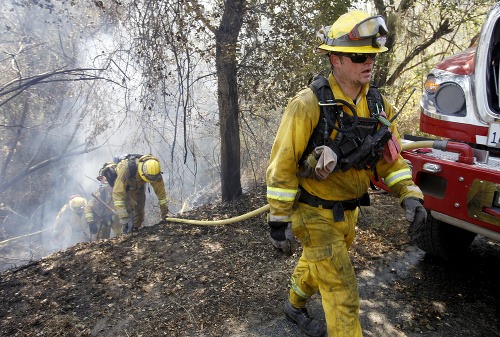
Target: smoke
x,y
92,121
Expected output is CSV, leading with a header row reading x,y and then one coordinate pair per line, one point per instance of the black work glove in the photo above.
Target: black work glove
x,y
93,227
282,236
416,214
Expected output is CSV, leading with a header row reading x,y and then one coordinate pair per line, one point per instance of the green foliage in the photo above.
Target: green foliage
x,y
277,59
283,58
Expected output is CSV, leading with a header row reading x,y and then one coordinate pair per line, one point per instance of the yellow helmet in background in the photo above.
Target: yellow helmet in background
x,y
77,203
150,170
354,32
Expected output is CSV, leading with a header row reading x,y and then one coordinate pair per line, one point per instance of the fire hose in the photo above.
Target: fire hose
x,y
466,155
465,152
223,221
23,236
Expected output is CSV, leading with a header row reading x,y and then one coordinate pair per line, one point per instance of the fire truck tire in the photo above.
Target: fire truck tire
x,y
442,240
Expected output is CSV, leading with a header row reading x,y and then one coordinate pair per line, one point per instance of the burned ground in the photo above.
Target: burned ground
x,y
186,280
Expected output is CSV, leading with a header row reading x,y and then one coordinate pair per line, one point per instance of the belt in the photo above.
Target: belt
x,y
312,200
338,207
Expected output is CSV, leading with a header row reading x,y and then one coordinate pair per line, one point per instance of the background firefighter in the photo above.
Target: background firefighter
x,y
322,205
129,195
100,214
70,226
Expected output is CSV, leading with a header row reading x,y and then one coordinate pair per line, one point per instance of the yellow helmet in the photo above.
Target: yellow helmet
x,y
354,32
150,170
77,203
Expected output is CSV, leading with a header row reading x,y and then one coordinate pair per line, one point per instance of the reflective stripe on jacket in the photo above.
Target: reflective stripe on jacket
x,y
124,182
299,119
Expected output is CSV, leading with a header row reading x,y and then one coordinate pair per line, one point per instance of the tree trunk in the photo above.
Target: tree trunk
x,y
226,39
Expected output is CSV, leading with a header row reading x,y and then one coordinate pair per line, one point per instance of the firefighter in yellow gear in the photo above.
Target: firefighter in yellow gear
x,y
100,214
322,208
70,226
129,194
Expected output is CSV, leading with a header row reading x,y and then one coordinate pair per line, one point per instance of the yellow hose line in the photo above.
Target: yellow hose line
x,y
265,208
23,236
221,222
418,145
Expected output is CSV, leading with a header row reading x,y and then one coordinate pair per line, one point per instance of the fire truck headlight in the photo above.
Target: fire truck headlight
x,y
450,98
432,167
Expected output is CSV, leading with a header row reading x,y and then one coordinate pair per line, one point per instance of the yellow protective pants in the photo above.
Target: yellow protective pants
x,y
104,229
325,266
136,204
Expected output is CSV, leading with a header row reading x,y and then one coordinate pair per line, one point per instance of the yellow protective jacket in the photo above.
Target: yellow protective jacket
x,y
124,183
70,226
95,210
298,122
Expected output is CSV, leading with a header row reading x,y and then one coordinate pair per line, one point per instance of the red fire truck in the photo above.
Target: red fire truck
x,y
459,170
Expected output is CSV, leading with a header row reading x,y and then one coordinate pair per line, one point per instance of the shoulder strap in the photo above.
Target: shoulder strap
x,y
132,165
322,89
321,133
375,101
329,113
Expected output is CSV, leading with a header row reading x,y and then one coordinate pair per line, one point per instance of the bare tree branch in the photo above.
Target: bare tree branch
x,y
443,29
17,86
27,171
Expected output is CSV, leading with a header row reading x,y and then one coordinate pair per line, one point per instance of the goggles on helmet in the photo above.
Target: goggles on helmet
x,y
375,41
367,28
153,177
369,32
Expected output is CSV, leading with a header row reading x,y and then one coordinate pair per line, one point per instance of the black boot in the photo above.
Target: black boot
x,y
305,323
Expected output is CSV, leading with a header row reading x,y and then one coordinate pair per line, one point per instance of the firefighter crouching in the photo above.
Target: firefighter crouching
x,y
100,214
320,203
70,226
131,174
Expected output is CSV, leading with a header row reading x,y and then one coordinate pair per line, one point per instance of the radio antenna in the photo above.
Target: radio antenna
x,y
396,115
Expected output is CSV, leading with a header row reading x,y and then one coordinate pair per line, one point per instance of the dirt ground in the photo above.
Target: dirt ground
x,y
185,280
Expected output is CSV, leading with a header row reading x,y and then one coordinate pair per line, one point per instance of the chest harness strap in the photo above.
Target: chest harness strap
x,y
358,144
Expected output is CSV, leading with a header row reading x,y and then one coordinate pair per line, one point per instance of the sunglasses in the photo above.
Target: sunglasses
x,y
358,57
